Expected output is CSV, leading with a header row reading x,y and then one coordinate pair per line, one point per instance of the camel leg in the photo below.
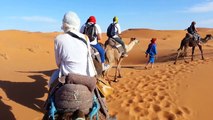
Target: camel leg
x,y
110,61
193,50
115,77
106,74
201,51
119,68
117,72
178,54
185,54
107,77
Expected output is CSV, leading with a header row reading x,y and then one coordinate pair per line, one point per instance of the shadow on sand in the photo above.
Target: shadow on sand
x,y
25,93
5,111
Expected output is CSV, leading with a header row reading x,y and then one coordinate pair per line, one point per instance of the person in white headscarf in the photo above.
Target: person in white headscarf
x,y
72,55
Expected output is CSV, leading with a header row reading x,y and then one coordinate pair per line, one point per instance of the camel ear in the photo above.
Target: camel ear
x,y
133,39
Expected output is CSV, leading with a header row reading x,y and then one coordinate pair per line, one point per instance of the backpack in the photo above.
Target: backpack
x,y
111,31
189,30
90,31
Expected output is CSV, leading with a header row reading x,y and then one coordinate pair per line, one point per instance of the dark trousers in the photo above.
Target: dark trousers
x,y
119,40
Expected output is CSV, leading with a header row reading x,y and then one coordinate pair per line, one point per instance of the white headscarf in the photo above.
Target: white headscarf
x,y
71,21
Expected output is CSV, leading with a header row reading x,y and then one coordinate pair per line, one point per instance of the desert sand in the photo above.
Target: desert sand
x,y
166,92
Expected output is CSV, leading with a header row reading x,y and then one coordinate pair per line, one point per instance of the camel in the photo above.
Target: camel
x,y
189,42
114,57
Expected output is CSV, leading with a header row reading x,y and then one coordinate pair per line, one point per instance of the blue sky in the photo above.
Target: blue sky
x,y
46,15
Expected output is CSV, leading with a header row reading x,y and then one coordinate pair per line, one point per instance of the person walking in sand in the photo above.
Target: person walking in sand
x,y
151,52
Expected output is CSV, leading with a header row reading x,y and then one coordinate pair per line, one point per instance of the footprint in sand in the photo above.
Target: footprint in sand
x,y
4,56
168,115
185,110
178,112
125,104
165,104
30,50
149,96
144,112
156,108
48,52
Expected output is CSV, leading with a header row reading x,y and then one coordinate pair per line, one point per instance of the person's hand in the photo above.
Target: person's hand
x,y
156,57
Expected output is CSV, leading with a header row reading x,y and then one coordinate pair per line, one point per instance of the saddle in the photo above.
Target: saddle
x,y
73,97
113,43
75,88
193,39
74,92
95,54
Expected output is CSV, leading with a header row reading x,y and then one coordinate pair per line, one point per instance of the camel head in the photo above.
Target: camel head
x,y
207,38
132,43
134,40
131,39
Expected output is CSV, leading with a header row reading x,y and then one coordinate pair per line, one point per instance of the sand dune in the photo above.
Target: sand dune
x,y
167,92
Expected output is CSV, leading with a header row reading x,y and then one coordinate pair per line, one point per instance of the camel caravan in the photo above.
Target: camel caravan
x,y
80,93
113,57
192,39
188,41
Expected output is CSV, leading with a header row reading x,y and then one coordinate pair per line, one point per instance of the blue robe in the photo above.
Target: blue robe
x,y
152,51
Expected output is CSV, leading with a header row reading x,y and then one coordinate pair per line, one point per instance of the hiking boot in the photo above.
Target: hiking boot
x,y
106,66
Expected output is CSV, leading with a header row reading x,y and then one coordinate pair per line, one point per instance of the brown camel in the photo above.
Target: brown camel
x,y
189,42
114,57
